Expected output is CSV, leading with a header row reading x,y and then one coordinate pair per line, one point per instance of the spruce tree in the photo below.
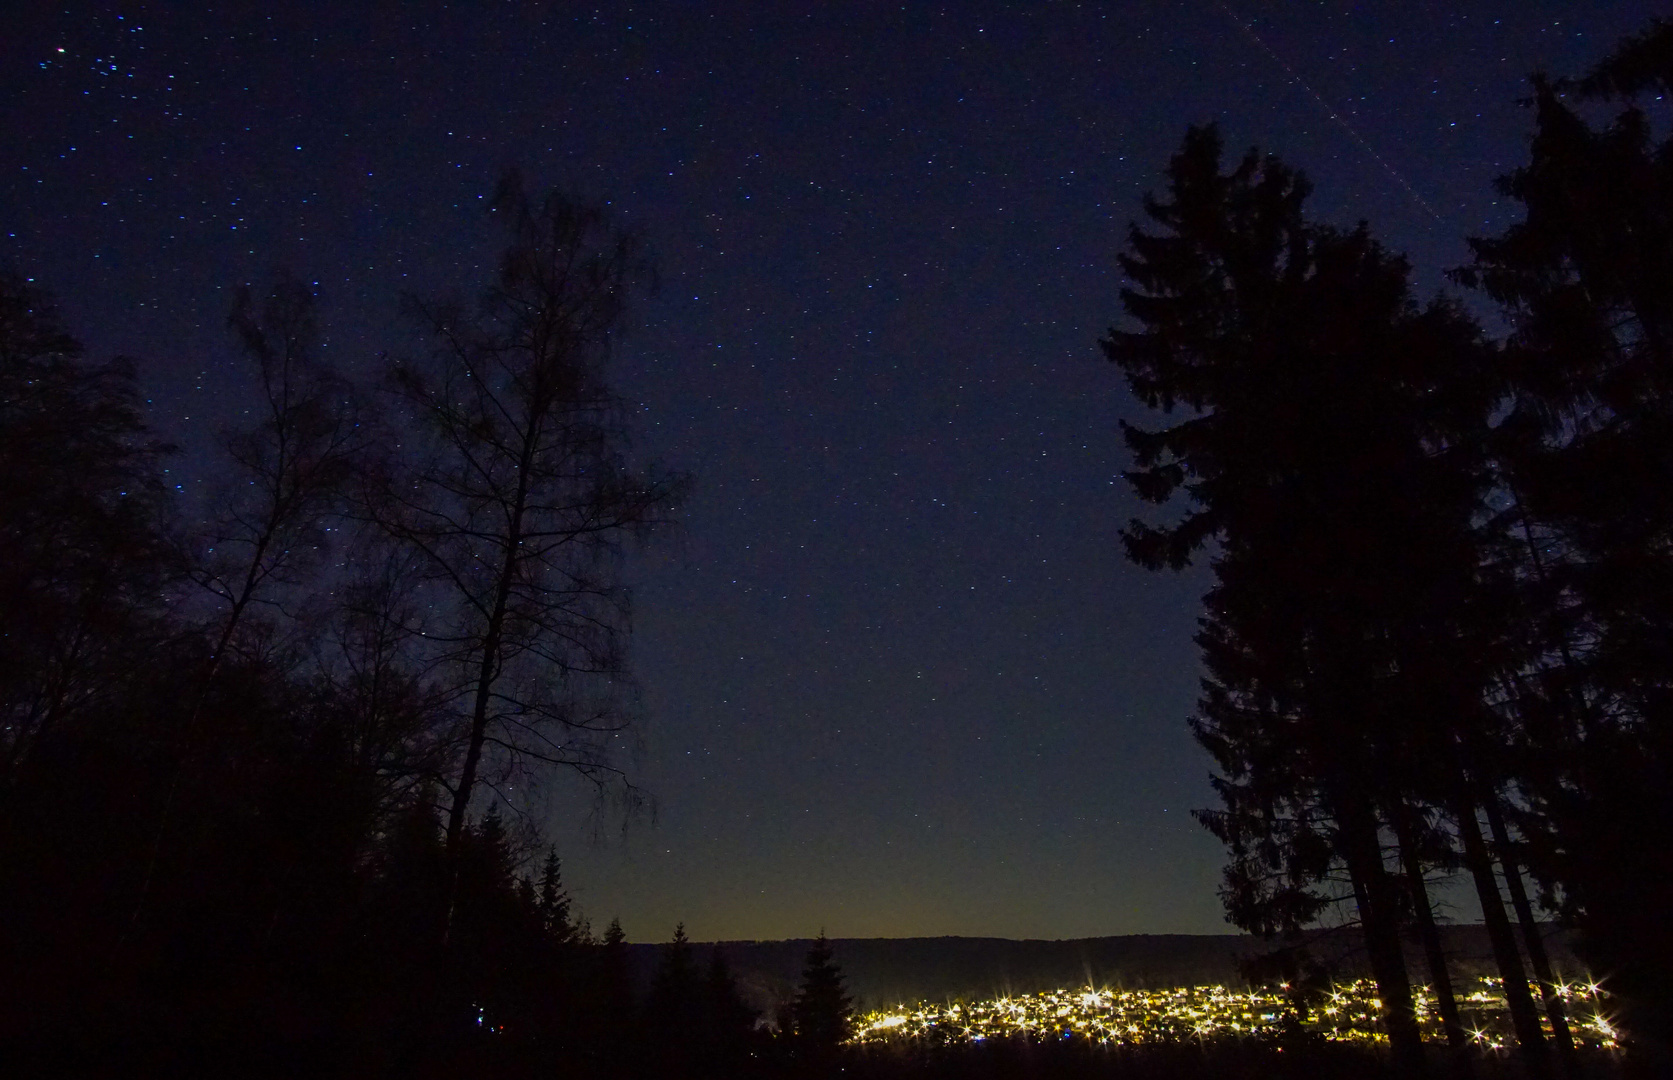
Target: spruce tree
x,y
1586,282
673,1012
823,1011
554,901
85,564
616,979
1328,461
729,1016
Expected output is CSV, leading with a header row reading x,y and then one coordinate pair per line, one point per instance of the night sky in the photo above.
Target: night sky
x,y
897,677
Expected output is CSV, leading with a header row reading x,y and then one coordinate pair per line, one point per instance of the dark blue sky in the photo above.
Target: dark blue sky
x,y
898,679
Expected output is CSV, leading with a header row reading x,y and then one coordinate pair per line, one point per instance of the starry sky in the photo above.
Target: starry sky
x,y
897,678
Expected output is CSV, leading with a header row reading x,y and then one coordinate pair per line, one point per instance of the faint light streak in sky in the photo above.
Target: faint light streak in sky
x,y
1353,133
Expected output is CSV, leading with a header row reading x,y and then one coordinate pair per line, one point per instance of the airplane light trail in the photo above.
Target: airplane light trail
x,y
1353,133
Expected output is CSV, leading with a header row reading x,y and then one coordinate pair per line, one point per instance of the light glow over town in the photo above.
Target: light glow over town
x,y
1346,1013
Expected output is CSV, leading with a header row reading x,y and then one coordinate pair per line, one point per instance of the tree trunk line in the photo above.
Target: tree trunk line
x,y
1377,898
1440,976
1524,1017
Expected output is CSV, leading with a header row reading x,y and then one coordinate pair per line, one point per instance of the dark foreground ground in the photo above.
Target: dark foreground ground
x,y
997,1059
1224,1060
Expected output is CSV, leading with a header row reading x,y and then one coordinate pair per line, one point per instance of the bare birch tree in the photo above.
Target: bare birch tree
x,y
513,488
290,468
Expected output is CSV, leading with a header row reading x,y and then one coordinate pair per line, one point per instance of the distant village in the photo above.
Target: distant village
x,y
1345,1013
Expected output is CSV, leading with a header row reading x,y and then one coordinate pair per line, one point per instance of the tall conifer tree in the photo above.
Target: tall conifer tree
x,y
1327,458
823,1011
1586,281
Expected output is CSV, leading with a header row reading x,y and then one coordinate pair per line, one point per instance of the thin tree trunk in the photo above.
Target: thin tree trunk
x,y
488,670
1524,1018
1376,895
1537,955
1440,977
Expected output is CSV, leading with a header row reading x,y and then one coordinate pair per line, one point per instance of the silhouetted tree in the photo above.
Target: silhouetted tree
x,y
282,490
386,708
86,573
515,493
611,1008
84,565
223,841
1330,456
823,1011
729,1021
289,470
554,901
673,1010
1586,279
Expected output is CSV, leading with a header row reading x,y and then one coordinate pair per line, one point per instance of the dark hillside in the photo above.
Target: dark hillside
x,y
887,971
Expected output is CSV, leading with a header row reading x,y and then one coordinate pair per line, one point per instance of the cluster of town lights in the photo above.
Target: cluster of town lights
x,y
1347,1012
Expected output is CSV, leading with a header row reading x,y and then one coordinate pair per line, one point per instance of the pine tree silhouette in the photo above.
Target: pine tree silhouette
x,y
554,901
823,1011
1328,464
1586,452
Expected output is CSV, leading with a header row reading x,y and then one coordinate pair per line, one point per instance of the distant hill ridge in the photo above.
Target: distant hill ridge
x,y
886,971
